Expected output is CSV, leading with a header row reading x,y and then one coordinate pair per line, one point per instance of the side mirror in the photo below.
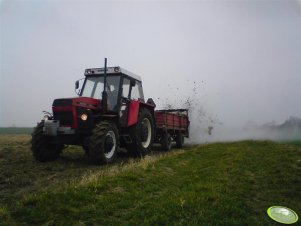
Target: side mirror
x,y
77,84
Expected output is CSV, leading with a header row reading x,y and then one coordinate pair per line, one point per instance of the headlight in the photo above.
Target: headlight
x,y
84,117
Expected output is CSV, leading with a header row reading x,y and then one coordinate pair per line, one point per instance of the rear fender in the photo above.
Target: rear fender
x,y
134,107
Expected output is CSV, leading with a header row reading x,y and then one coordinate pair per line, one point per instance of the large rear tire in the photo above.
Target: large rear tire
x,y
42,147
104,143
142,134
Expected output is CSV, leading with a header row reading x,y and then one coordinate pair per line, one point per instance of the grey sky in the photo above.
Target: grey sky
x,y
244,56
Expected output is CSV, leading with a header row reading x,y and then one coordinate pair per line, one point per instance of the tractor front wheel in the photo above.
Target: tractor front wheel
x,y
104,143
41,146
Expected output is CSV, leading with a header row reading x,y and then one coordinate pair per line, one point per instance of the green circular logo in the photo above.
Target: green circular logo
x,y
282,214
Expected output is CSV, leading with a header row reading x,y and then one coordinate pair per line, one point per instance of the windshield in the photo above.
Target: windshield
x,y
93,87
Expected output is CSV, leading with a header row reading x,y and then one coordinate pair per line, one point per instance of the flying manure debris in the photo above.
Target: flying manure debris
x,y
201,121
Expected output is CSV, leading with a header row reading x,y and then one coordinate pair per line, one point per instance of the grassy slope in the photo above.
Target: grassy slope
x,y
215,184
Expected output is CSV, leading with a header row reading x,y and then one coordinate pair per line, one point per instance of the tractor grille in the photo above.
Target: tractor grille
x,y
65,117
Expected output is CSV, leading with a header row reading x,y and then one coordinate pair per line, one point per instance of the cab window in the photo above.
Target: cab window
x,y
126,88
137,93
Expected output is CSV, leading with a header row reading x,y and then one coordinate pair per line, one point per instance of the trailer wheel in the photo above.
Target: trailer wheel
x,y
42,148
142,134
166,142
104,143
180,140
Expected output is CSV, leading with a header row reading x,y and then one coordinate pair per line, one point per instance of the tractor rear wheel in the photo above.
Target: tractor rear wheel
x,y
180,140
41,146
142,134
104,142
166,142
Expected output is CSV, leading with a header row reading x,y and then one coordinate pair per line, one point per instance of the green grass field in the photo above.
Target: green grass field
x,y
16,130
213,184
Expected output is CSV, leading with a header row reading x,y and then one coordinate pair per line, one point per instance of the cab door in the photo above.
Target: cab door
x,y
125,102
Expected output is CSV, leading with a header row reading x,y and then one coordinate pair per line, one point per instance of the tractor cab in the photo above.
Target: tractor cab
x,y
121,86
110,112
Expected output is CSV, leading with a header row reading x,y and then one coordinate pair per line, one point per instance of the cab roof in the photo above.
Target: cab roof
x,y
111,70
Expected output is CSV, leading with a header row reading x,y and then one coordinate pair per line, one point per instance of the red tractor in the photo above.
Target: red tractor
x,y
109,113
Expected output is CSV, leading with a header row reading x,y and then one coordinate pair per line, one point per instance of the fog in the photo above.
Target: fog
x,y
235,62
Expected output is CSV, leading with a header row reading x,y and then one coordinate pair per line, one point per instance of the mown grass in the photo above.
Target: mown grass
x,y
213,184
